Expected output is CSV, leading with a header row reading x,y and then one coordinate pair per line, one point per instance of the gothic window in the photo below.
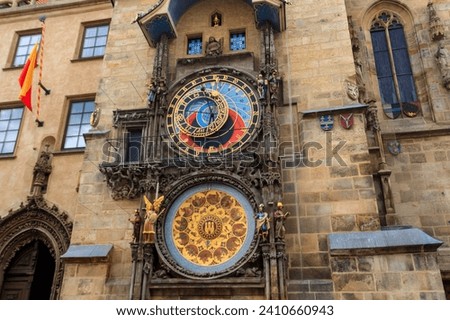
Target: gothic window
x,y
78,123
94,41
393,66
237,41
10,120
24,47
195,45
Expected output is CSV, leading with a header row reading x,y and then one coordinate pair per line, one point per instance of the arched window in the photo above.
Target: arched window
x,y
393,66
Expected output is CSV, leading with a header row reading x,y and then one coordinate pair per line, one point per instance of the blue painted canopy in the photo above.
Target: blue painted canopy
x,y
163,17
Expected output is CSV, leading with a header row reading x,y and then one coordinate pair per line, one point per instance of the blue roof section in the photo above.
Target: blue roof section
x,y
165,22
88,251
158,26
266,12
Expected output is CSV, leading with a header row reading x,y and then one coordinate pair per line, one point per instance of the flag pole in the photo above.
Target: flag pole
x,y
41,64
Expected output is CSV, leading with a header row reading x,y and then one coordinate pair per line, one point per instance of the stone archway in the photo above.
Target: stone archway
x,y
33,239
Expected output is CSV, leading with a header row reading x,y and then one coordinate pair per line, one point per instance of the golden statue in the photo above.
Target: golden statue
x,y
151,216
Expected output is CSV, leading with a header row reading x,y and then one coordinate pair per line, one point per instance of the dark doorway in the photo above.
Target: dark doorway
x,y
30,274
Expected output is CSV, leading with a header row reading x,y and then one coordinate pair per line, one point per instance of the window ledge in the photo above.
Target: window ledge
x,y
7,156
86,59
68,152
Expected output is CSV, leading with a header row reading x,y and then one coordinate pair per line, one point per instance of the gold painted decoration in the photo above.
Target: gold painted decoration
x,y
209,228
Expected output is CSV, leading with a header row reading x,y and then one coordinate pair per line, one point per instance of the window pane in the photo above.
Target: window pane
x,y
24,40
35,39
88,106
195,46
90,32
8,147
3,125
75,119
77,107
99,51
89,42
73,131
387,90
81,143
101,41
11,135
17,113
22,51
71,142
103,30
87,53
14,125
237,41
407,88
86,118
2,136
397,36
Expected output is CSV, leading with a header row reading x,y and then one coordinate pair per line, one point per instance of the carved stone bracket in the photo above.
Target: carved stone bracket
x,y
436,26
124,181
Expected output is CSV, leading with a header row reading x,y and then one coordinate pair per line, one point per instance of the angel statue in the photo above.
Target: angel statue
x,y
151,216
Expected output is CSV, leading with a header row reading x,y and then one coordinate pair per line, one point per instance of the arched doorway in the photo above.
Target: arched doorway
x,y
32,241
30,274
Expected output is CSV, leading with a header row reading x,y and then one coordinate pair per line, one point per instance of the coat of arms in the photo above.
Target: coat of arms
x,y
394,147
326,122
346,120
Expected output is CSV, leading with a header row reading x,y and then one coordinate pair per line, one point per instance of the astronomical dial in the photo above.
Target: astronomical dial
x,y
213,114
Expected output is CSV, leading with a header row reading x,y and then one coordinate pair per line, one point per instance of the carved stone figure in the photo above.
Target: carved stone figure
x,y
214,47
262,86
262,222
442,57
151,216
280,218
136,222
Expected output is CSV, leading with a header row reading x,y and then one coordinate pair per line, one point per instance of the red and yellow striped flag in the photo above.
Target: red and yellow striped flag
x,y
26,78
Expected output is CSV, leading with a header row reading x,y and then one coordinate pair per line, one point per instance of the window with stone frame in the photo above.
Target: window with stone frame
x,y
94,40
237,41
194,45
78,123
10,120
24,46
393,67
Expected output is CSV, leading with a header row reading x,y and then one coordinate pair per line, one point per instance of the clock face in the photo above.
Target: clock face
x,y
213,114
209,230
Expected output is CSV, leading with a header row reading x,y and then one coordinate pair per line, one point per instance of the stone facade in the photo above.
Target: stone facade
x,y
361,179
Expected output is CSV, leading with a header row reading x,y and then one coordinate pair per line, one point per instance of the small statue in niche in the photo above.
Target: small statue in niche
x,y
151,97
274,81
136,222
262,85
214,47
216,20
152,213
262,222
280,218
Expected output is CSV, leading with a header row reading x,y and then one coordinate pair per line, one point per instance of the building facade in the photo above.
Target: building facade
x,y
196,149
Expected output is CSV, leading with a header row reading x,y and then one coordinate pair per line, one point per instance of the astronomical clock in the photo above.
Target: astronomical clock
x,y
203,151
